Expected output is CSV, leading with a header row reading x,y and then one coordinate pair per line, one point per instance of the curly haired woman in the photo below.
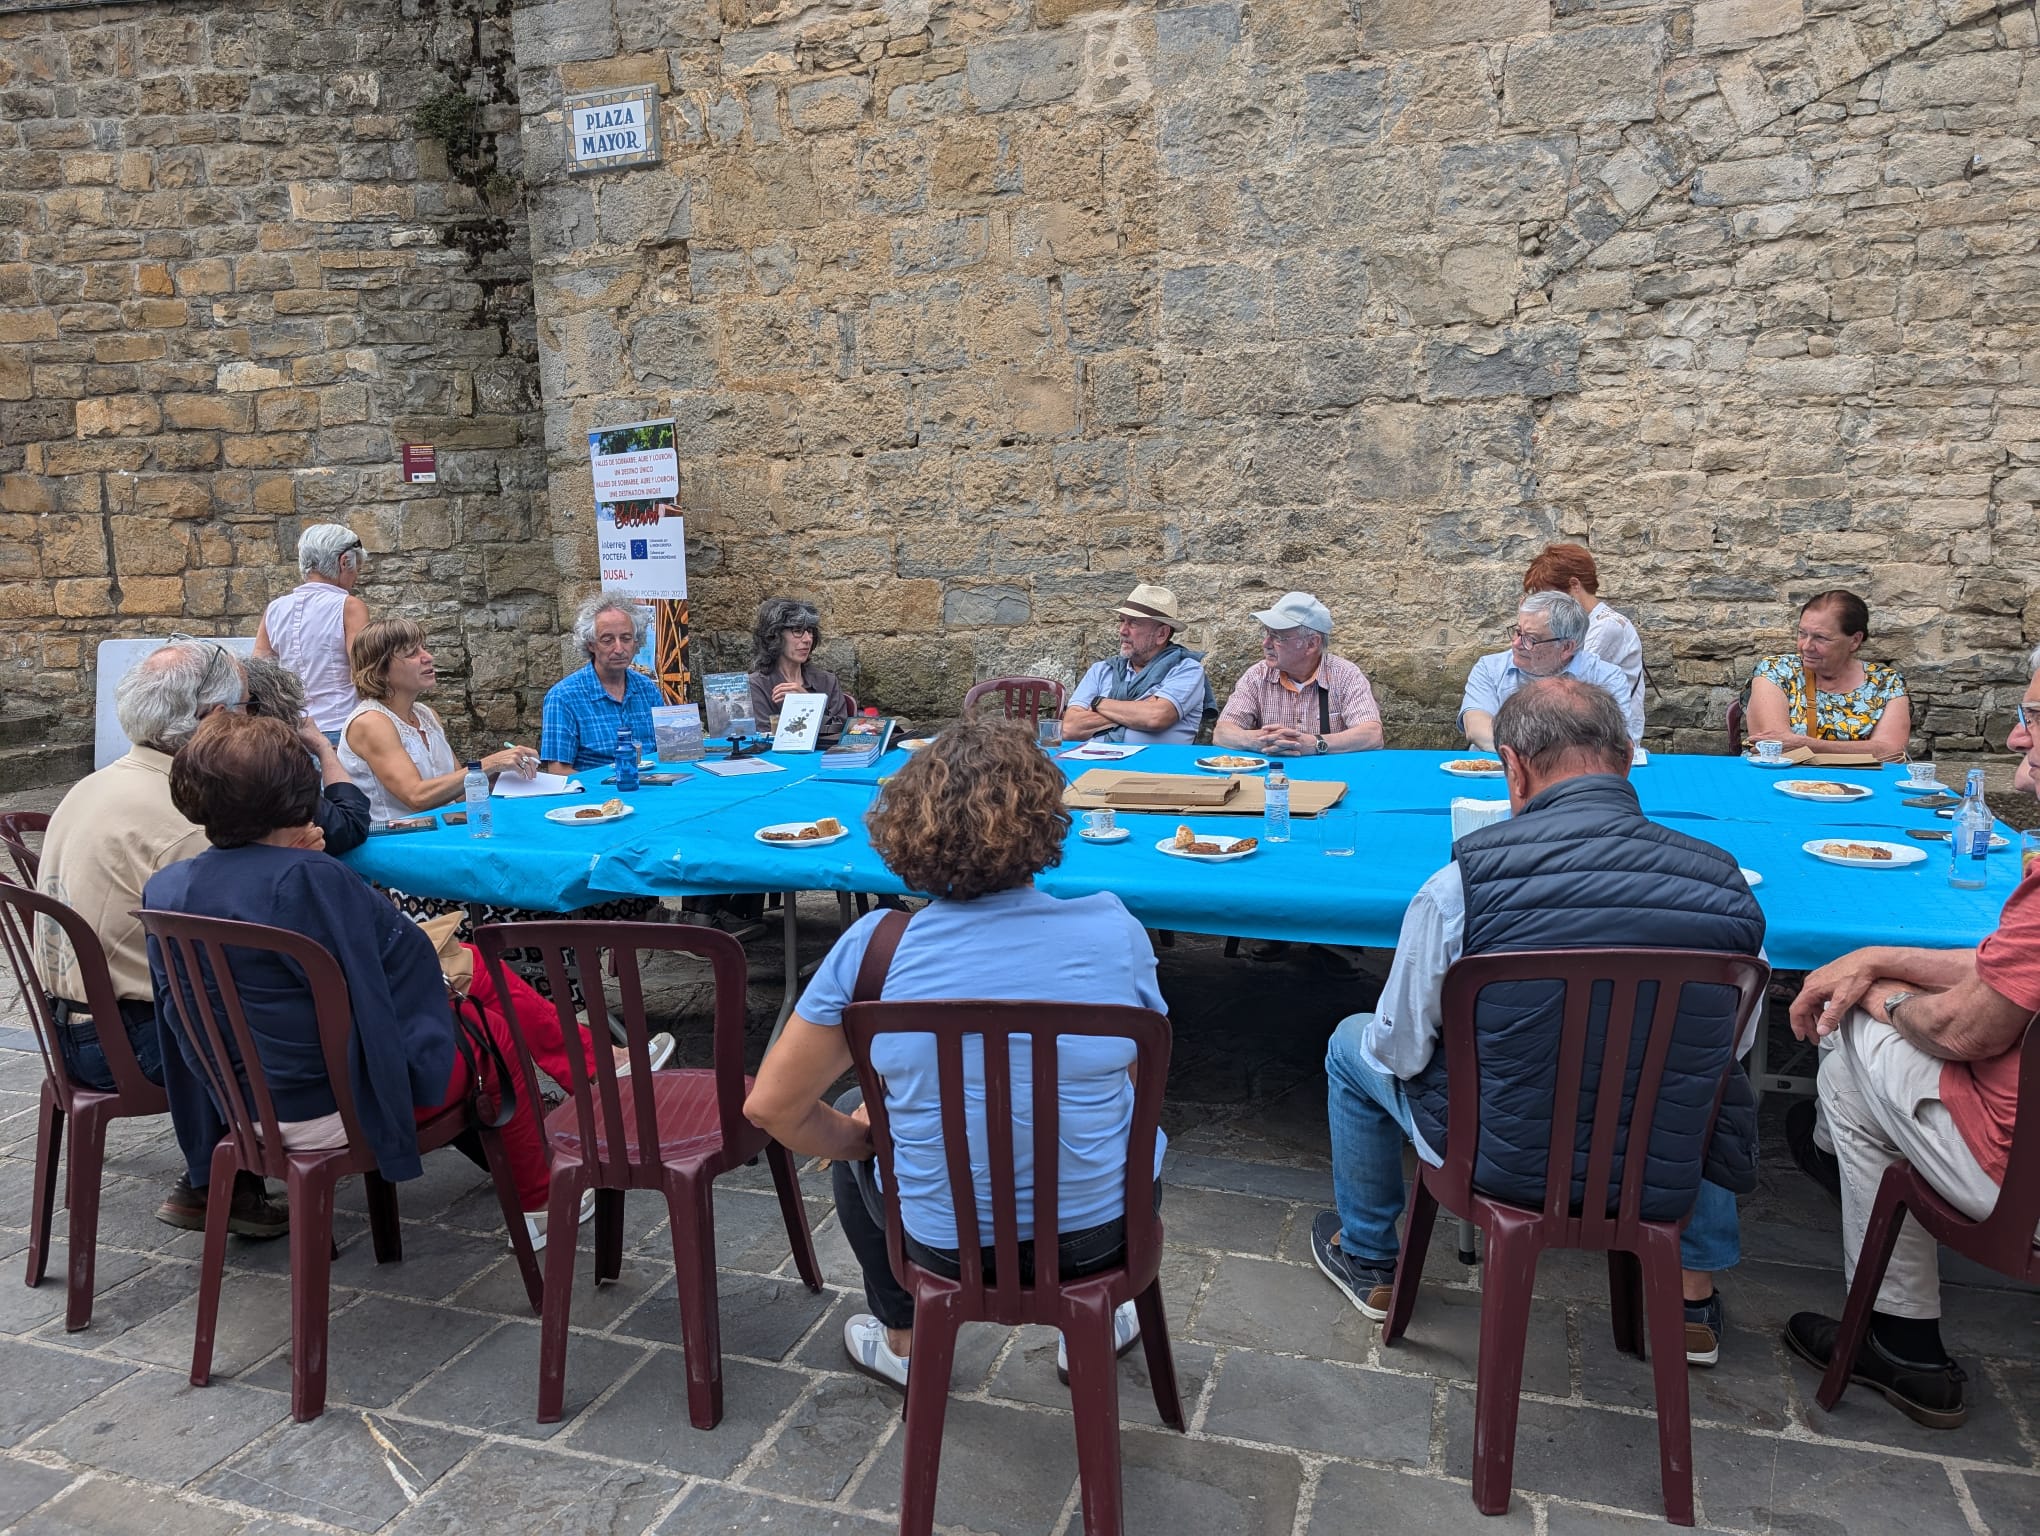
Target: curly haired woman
x,y
971,820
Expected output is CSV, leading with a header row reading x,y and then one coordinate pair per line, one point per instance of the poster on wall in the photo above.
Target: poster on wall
x,y
641,538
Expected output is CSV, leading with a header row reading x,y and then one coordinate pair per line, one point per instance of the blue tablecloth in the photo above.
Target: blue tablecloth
x,y
698,837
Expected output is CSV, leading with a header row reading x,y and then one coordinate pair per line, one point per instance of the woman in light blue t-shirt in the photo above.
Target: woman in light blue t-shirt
x,y
971,819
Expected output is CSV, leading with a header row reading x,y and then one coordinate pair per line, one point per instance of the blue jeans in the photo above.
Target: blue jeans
x,y
1371,1124
78,1043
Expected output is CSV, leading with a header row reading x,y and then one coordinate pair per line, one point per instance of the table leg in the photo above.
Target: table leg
x,y
790,907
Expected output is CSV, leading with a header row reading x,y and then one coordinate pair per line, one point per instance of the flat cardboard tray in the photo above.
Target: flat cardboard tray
x,y
1202,793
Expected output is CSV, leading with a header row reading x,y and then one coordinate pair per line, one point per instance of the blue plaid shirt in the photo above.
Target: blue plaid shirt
x,y
581,719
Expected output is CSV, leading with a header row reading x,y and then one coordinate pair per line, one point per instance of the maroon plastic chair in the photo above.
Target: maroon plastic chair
x,y
90,1110
1024,698
611,1135
15,826
1733,724
2002,1241
1082,1308
1643,1256
196,948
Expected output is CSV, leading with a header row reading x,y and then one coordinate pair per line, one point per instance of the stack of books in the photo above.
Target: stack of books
x,y
864,742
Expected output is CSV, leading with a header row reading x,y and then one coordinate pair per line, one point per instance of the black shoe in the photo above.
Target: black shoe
x,y
1824,1168
1704,1320
1369,1287
1926,1394
253,1213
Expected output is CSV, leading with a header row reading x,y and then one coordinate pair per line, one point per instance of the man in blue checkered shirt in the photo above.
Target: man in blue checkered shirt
x,y
584,710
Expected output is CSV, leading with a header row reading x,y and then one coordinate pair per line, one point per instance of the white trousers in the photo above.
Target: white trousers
x,y
1880,1096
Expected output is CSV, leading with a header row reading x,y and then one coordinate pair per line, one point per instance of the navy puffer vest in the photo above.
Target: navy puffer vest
x,y
1581,868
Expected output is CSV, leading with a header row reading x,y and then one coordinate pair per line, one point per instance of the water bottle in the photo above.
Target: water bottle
x,y
1275,823
1969,844
626,761
476,788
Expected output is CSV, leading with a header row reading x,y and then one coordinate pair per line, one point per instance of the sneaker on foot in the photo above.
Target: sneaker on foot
x,y
1368,1286
1704,1320
535,1221
1125,1332
1818,1164
1926,1394
864,1339
183,1207
254,1212
661,1052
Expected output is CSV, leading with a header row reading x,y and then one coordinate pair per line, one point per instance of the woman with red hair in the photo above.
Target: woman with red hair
x,y
1568,568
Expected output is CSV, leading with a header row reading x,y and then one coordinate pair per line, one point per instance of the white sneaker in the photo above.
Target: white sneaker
x,y
662,1046
534,1221
1125,1330
864,1340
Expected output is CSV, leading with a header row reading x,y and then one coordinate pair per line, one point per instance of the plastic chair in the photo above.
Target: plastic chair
x,y
1733,723
1024,697
1643,1256
14,828
210,1014
2003,1240
89,1110
1081,1308
611,1135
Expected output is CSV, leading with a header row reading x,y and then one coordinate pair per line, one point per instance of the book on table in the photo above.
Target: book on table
x,y
676,730
865,740
800,722
726,704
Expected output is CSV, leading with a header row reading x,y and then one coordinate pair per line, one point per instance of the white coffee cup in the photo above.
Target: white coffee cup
x,y
1098,823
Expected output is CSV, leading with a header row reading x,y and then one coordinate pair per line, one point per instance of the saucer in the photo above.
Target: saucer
x,y
1116,835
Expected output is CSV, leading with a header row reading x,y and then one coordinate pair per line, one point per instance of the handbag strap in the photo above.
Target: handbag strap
x,y
478,1050
878,955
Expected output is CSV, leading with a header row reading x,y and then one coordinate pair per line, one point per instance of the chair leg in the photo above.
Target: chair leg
x,y
844,912
1161,1360
1665,1302
927,1402
1625,1302
49,1148
513,1218
608,1233
786,1179
563,1210
691,1209
1498,1379
1409,1269
1232,947
88,1158
212,1262
311,1274
1094,1403
384,1230
1880,1237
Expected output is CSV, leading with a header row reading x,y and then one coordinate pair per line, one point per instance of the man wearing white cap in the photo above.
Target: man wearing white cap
x,y
1300,700
1153,690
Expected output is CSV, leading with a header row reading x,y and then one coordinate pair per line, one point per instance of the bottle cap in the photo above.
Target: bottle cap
x,y
473,766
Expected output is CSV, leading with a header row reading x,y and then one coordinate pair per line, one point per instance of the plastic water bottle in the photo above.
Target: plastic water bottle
x,y
1275,813
476,788
626,761
1969,844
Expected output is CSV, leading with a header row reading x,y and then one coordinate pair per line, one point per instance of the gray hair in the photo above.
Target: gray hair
x,y
2033,661
323,547
274,691
776,615
608,602
1568,618
161,699
1550,717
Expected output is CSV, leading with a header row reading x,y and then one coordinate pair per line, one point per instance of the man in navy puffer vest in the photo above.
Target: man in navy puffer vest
x,y
1577,866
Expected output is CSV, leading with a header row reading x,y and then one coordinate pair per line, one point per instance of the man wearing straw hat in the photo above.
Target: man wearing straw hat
x,y
1153,690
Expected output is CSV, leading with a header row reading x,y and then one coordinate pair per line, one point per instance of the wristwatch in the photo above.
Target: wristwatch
x,y
1322,747
1891,1004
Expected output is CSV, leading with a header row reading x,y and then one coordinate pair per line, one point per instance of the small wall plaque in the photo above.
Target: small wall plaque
x,y
421,464
609,129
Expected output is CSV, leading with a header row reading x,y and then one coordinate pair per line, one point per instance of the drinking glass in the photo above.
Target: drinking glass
x,y
1048,731
1336,832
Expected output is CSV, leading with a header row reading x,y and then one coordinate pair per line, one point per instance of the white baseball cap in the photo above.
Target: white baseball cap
x,y
1298,609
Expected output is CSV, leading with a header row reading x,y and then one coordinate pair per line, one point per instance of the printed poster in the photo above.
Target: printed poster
x,y
640,536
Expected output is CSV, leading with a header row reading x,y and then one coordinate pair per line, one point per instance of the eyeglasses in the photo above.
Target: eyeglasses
x,y
1523,637
212,667
2024,724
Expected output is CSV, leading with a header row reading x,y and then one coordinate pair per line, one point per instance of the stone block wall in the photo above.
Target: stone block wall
x,y
233,279
975,313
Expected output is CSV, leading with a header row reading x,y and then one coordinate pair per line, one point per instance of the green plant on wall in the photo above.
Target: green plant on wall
x,y
455,119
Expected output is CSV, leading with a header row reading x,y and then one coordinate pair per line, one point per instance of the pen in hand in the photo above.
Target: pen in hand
x,y
526,764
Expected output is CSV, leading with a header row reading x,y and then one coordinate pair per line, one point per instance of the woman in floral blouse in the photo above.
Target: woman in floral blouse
x,y
1824,693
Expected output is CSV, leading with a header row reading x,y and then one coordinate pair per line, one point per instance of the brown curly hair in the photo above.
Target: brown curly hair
x,y
979,809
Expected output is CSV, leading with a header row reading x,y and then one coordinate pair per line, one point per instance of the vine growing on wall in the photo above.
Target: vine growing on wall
x,y
477,75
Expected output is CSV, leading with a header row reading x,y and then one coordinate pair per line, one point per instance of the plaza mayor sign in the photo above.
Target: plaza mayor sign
x,y
608,129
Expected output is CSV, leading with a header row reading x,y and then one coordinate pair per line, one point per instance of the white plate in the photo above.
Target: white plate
x,y
1458,772
1116,835
1752,879
1902,854
1246,764
1793,788
568,816
914,743
1168,845
796,826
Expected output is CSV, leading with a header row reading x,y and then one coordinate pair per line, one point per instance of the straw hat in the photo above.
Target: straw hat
x,y
1148,602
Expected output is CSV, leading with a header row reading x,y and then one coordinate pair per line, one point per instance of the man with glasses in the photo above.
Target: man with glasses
x,y
1544,643
115,829
1300,700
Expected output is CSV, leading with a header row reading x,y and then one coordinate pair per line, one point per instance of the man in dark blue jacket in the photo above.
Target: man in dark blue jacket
x,y
1577,866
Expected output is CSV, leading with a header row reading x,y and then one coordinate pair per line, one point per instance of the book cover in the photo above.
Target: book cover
x,y
865,740
676,730
725,701
800,721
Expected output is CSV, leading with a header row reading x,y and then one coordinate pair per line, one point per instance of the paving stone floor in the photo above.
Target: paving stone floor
x,y
1299,1421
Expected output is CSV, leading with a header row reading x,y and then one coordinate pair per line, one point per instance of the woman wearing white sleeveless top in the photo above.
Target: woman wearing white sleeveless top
x,y
311,628
394,747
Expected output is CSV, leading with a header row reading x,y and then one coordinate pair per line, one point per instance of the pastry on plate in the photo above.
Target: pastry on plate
x,y
1856,851
828,826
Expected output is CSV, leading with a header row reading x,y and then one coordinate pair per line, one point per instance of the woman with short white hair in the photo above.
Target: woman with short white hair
x,y
311,628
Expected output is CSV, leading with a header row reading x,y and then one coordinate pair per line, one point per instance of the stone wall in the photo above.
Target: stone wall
x,y
975,313
233,278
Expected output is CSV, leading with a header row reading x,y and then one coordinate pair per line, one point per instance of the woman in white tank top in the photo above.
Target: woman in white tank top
x,y
394,747
311,627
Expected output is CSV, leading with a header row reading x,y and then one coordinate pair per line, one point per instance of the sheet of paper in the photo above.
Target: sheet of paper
x,y
510,787
723,768
1103,751
1638,757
